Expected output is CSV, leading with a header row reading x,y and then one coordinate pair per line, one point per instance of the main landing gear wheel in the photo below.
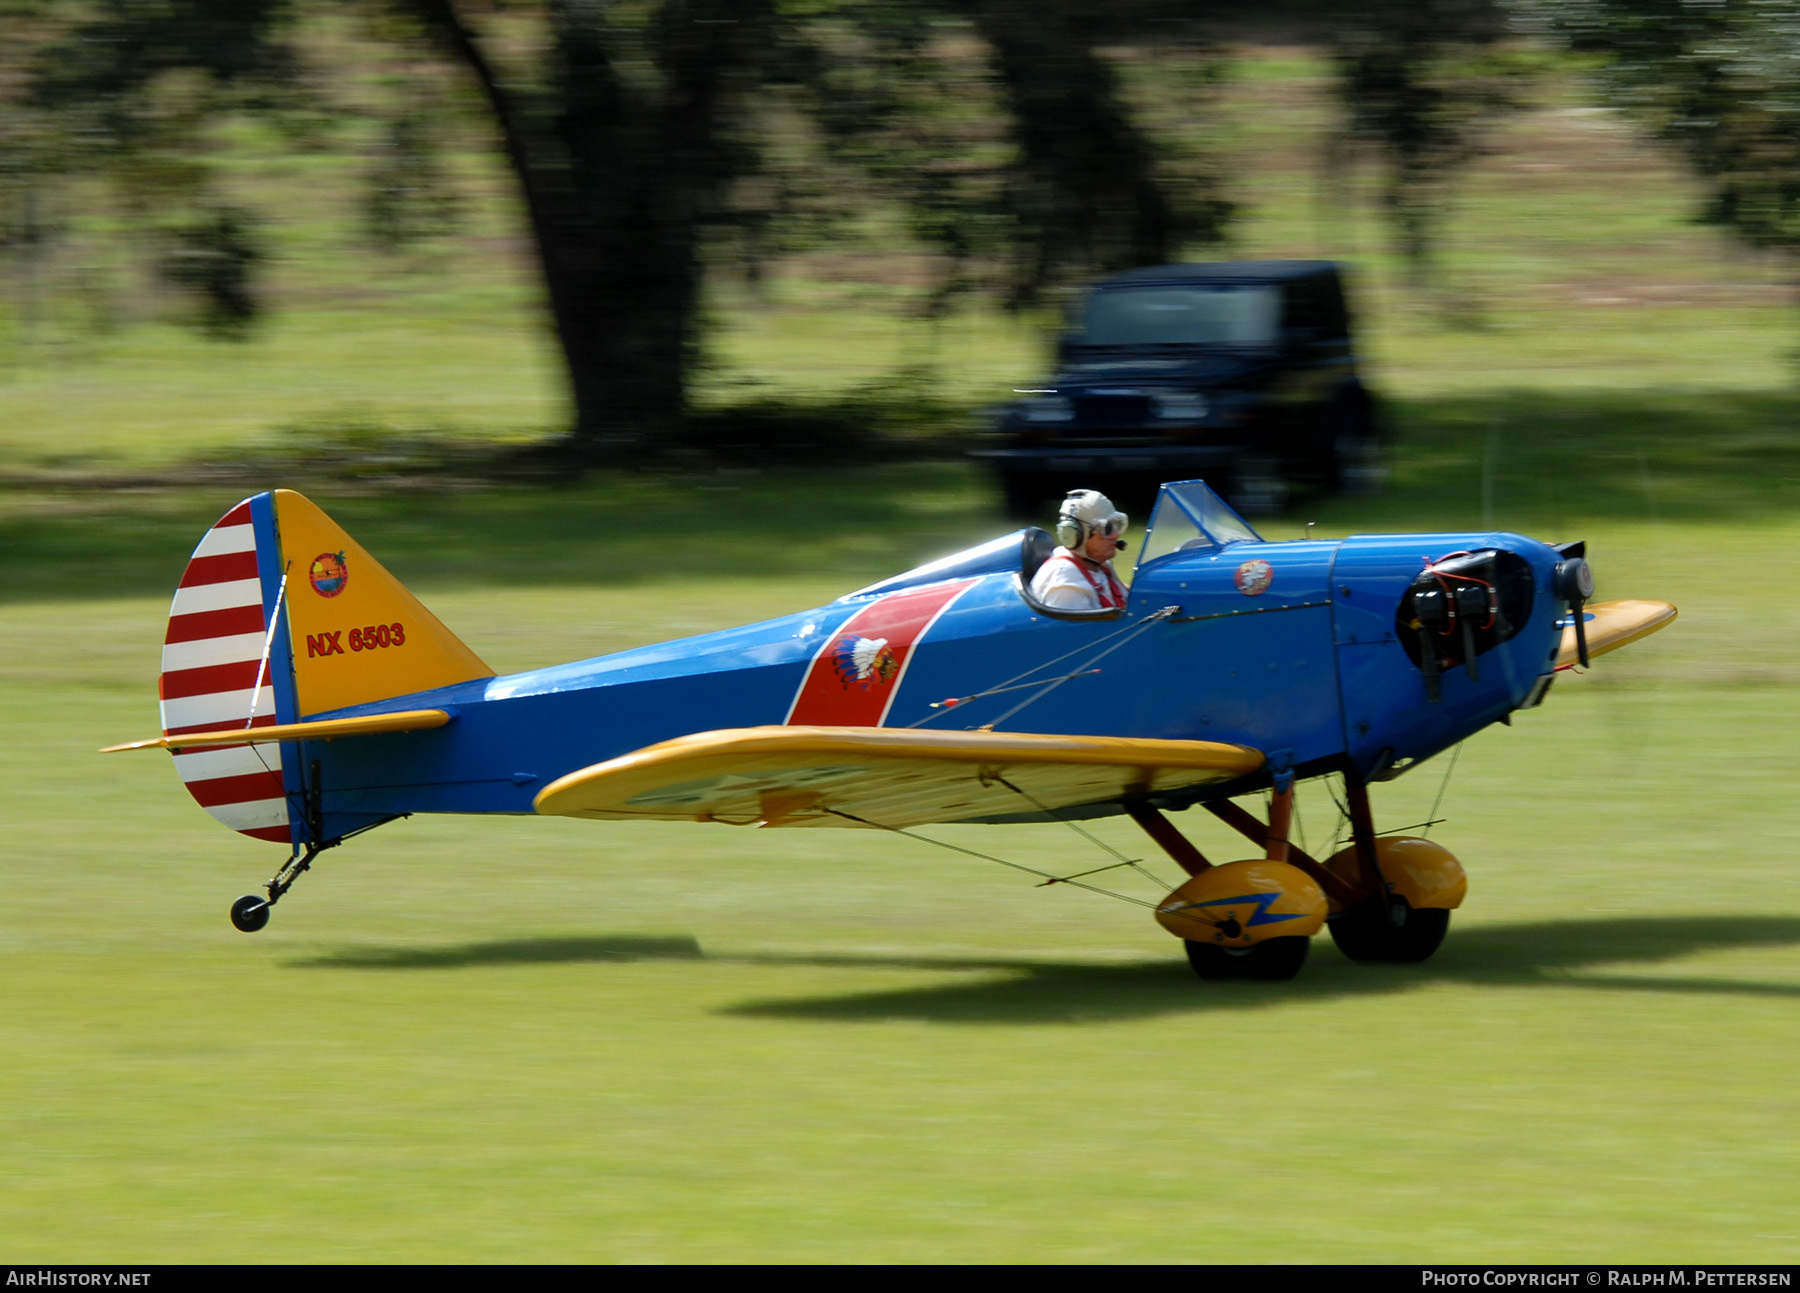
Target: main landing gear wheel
x,y
250,913
1399,935
1271,959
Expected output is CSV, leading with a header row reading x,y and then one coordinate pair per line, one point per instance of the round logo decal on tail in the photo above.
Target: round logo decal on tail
x,y
329,574
1254,577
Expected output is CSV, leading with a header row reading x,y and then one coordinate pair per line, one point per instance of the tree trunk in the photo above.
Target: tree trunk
x,y
619,174
1090,197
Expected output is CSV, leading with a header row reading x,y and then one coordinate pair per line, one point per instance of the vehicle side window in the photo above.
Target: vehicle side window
x,y
1337,318
1315,306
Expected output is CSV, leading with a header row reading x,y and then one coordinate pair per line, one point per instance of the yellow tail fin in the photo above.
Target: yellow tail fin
x,y
357,635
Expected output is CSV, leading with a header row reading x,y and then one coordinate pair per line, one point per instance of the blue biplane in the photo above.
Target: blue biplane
x,y
308,697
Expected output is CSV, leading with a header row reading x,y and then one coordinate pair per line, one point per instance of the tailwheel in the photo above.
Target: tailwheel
x,y
250,913
1270,960
1387,928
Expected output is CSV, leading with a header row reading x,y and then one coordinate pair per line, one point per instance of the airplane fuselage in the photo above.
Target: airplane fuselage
x,y
1297,649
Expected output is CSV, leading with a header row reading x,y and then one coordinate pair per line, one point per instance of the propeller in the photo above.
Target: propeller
x,y
1574,585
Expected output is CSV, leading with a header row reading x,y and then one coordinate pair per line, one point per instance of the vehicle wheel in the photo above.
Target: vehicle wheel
x,y
1274,958
250,913
1259,486
1366,933
1356,468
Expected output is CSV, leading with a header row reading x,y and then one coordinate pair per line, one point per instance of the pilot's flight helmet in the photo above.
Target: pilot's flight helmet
x,y
1086,512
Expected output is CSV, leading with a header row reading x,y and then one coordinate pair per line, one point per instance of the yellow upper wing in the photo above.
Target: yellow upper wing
x,y
879,776
1615,624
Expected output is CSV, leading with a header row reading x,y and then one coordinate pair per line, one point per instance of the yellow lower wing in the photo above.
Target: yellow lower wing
x,y
1615,624
878,776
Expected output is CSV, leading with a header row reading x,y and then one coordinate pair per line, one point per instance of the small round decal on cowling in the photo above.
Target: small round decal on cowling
x,y
1254,577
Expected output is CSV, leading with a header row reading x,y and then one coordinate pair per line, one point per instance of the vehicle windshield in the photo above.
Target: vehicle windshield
x,y
1189,515
1183,314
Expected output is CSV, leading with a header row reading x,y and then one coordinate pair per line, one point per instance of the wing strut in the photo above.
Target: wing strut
x,y
1274,836
1163,831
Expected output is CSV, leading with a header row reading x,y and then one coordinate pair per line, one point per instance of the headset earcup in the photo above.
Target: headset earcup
x,y
1068,532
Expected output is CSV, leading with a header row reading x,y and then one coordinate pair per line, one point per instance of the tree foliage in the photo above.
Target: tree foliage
x,y
131,91
1007,134
1423,83
1718,81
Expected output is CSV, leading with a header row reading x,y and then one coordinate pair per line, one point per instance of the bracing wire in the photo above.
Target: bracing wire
x,y
987,857
1433,818
262,665
954,701
1425,825
1340,836
1155,617
1017,681
1135,864
1342,803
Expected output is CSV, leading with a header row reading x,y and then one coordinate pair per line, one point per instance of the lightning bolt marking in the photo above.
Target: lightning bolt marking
x,y
1262,915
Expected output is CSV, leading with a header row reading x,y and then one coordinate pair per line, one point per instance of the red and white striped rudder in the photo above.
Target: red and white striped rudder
x,y
215,674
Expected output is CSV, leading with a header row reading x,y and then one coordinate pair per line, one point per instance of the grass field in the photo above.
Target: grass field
x,y
518,1040
548,1040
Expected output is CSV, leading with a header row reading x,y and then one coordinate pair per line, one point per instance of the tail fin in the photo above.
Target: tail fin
x,y
280,615
357,635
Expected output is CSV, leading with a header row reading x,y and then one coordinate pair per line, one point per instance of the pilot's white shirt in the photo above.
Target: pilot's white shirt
x,y
1060,584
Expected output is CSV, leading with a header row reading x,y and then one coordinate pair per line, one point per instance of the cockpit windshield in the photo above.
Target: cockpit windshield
x,y
1189,515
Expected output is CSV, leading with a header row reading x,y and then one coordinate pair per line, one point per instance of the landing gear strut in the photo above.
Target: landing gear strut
x,y
1408,887
1388,898
1243,920
250,913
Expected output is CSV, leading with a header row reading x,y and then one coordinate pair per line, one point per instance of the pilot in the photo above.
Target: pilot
x,y
1079,575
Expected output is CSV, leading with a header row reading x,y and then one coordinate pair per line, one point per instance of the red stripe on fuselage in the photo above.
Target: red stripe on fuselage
x,y
833,694
215,624
219,570
239,515
274,834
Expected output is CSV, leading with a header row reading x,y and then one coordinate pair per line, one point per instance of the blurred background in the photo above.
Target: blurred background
x,y
380,239
604,323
